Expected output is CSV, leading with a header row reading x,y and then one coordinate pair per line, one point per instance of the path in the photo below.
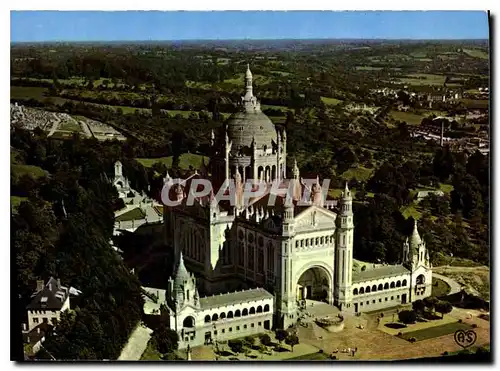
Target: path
x,y
454,285
86,129
55,125
136,344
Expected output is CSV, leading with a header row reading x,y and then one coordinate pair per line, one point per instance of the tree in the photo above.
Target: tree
x,y
292,340
249,341
281,335
235,345
430,303
418,306
443,307
265,340
407,316
165,340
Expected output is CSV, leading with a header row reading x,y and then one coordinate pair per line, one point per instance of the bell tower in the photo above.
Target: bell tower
x,y
343,256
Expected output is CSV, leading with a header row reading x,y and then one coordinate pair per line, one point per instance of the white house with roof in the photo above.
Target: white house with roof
x,y
47,304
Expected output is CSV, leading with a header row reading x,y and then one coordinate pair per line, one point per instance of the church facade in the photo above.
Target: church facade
x,y
283,253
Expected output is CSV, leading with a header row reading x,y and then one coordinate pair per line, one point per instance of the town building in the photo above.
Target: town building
x,y
264,259
47,304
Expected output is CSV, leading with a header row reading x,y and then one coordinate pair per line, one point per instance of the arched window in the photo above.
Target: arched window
x,y
398,284
259,309
404,283
380,287
188,322
386,286
420,279
222,315
362,290
266,308
245,312
230,314
355,292
317,240
374,288
237,313
215,317
207,319
393,285
322,240
367,290
252,310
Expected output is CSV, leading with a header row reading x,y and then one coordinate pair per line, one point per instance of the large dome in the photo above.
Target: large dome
x,y
243,126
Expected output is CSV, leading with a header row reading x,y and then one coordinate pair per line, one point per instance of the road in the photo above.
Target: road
x,y
136,344
55,125
454,285
86,129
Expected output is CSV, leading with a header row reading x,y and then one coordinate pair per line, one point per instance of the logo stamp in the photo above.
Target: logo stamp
x,y
465,338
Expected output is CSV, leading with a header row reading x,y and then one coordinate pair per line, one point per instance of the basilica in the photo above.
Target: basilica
x,y
245,267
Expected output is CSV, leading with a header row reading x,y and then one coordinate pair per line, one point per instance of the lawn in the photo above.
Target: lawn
x,y
15,201
70,126
475,103
34,171
434,332
134,214
446,188
331,101
419,54
35,92
281,73
439,287
412,211
368,68
360,173
476,53
409,117
150,354
186,160
311,357
337,192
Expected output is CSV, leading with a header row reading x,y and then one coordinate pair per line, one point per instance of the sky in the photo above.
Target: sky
x,y
172,25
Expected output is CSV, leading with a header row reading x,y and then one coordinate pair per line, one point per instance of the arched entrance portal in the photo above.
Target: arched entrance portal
x,y
314,284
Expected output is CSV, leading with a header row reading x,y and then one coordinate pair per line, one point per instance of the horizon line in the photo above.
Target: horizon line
x,y
252,39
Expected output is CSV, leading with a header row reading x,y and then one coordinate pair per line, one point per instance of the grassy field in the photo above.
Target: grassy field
x,y
134,214
34,171
441,288
186,160
331,101
311,357
15,201
360,173
38,93
413,118
151,354
412,211
337,192
70,126
475,103
476,53
446,188
368,68
437,331
419,54
282,73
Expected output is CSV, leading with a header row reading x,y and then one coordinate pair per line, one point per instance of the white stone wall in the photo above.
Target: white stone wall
x,y
425,290
253,322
